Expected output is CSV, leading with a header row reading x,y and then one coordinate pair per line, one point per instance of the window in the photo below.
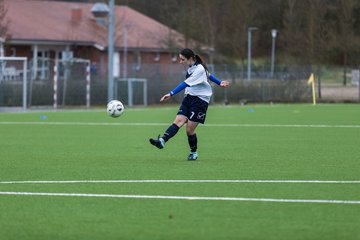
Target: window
x,y
137,61
157,57
40,68
174,57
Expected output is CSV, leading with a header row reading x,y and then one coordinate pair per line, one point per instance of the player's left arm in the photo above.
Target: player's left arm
x,y
224,83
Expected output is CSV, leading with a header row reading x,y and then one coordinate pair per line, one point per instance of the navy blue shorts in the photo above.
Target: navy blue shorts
x,y
193,108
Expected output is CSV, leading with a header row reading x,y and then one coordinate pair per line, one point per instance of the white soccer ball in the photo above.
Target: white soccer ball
x,y
115,108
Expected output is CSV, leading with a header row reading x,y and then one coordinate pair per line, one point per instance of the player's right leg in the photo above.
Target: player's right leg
x,y
159,142
172,130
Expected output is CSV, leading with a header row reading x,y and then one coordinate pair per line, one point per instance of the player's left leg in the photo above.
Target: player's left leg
x,y
192,139
197,114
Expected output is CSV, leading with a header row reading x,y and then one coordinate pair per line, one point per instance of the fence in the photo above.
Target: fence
x,y
74,86
47,82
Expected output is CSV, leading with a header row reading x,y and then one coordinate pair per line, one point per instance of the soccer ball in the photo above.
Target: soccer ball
x,y
115,108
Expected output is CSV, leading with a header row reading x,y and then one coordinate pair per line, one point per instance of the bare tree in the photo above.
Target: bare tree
x,y
310,31
293,35
346,40
318,31
3,21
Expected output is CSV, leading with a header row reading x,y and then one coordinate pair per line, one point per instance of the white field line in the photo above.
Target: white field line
x,y
183,197
166,124
179,181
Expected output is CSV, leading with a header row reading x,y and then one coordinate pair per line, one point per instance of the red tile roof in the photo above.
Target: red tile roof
x,y
37,20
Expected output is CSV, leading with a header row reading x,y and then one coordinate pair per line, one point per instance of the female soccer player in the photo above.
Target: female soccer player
x,y
195,103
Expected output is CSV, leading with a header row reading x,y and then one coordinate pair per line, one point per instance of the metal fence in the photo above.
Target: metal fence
x,y
78,83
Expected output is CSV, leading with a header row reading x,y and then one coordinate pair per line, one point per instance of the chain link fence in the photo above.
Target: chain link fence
x,y
80,83
13,81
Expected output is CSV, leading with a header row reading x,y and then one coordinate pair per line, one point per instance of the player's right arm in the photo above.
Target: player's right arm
x,y
176,90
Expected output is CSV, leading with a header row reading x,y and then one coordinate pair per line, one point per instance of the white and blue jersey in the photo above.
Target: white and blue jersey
x,y
197,82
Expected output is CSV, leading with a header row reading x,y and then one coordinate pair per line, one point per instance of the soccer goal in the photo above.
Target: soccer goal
x,y
13,82
74,76
59,82
131,91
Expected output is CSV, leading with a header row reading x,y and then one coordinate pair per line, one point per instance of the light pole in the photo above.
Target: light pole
x,y
111,51
2,40
101,10
273,34
250,29
2,66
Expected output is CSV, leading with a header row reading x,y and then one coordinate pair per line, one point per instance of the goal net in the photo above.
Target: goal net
x,y
44,82
13,82
131,91
59,82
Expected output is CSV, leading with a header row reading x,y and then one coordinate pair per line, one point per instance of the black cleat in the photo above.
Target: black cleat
x,y
159,142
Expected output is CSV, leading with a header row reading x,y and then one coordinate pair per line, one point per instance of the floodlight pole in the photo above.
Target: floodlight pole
x,y
2,40
250,29
111,50
273,35
358,85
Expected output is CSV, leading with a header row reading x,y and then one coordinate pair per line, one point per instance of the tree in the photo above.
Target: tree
x,y
310,31
3,21
346,40
230,39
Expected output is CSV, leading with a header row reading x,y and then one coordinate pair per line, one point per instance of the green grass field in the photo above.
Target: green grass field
x,y
66,175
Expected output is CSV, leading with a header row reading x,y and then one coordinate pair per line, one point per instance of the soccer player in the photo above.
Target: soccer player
x,y
195,103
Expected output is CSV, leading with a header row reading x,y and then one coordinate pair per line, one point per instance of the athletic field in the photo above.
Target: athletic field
x,y
273,172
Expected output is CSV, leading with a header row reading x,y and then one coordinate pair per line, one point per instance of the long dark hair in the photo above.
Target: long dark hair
x,y
188,53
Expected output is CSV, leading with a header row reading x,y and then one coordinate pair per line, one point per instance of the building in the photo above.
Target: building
x,y
60,30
